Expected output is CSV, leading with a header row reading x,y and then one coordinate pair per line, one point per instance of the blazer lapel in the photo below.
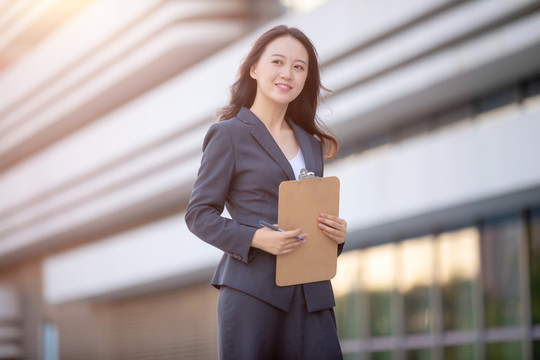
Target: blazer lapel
x,y
265,139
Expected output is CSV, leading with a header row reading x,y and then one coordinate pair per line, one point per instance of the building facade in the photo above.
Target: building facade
x,y
104,106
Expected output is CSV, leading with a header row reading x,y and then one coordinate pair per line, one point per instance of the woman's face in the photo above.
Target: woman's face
x,y
281,71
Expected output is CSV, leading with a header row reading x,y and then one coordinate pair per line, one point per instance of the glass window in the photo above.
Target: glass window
x,y
418,354
387,293
381,355
461,352
347,284
536,349
532,88
459,262
504,351
50,341
500,255
380,285
416,281
496,100
534,261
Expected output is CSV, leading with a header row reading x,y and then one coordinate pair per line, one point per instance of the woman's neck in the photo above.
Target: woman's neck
x,y
272,116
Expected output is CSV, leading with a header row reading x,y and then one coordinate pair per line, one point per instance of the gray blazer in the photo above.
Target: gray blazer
x,y
241,168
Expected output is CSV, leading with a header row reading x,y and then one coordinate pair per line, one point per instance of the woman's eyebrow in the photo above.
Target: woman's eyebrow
x,y
283,56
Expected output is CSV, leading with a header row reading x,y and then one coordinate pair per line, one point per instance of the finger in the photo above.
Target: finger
x,y
337,235
332,217
288,242
292,234
329,223
295,245
329,229
336,238
288,248
332,221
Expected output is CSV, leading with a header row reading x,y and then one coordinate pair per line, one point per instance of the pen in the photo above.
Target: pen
x,y
273,227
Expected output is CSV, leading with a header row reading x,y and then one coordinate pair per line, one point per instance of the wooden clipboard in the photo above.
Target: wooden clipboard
x,y
300,203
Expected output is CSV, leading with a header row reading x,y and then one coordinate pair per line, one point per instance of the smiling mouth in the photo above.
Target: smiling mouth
x,y
284,86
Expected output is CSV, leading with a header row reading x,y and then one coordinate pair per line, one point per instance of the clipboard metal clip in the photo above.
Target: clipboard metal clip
x,y
304,174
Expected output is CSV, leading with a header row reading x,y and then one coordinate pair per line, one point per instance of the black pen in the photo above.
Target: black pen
x,y
273,227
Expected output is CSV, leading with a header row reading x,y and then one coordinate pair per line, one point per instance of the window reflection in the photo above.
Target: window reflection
x,y
418,354
459,261
500,250
504,351
463,352
534,261
347,289
388,296
416,281
381,355
50,341
380,283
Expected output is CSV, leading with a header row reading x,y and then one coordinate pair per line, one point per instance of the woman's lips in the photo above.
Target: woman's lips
x,y
284,86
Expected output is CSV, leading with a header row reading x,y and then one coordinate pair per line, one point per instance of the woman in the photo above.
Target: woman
x,y
266,134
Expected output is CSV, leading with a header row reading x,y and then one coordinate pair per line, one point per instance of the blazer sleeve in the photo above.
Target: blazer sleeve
x,y
203,214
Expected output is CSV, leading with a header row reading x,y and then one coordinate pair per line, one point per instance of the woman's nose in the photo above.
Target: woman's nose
x,y
286,74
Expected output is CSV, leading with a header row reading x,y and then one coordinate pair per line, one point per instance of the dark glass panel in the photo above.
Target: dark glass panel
x,y
459,263
536,349
496,99
349,316
457,305
381,355
380,305
380,284
347,284
504,351
462,352
532,87
418,315
416,281
418,354
500,260
534,261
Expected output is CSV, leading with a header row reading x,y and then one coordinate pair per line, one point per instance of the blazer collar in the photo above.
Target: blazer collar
x,y
263,136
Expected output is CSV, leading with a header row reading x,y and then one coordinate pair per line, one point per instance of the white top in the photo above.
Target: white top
x,y
298,163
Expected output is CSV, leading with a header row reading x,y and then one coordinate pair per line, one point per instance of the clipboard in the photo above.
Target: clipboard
x,y
299,205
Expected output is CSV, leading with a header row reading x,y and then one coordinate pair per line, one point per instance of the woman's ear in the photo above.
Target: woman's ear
x,y
252,72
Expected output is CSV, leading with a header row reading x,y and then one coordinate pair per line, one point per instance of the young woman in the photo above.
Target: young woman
x,y
267,133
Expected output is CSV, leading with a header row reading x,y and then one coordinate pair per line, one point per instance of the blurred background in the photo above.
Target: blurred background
x,y
103,108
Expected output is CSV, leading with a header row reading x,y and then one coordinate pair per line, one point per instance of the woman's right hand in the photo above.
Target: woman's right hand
x,y
277,242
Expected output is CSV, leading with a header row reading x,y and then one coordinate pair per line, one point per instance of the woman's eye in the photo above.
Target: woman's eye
x,y
277,62
299,67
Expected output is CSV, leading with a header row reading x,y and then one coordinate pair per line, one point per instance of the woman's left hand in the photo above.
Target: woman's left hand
x,y
333,227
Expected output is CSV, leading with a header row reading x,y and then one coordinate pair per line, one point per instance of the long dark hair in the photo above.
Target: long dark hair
x,y
302,110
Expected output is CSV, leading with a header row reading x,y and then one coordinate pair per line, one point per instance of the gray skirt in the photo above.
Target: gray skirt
x,y
249,328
